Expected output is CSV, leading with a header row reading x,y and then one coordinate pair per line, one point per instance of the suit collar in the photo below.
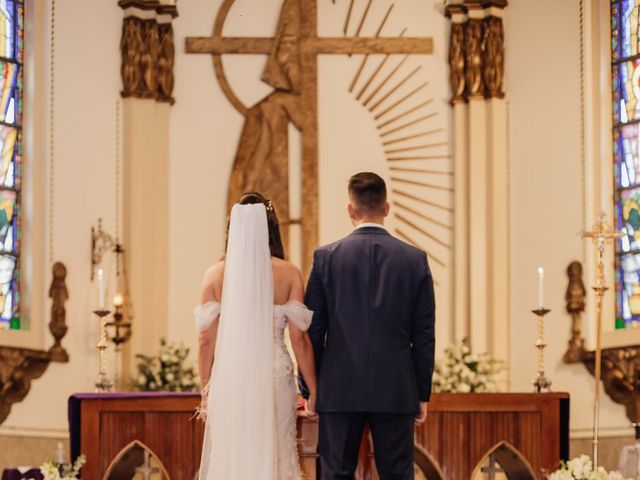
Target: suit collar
x,y
372,225
370,229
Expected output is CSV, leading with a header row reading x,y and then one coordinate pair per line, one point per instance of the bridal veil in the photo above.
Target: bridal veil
x,y
239,441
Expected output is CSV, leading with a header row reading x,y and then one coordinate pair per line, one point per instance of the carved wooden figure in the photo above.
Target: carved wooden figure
x,y
131,46
456,62
147,50
165,63
493,53
58,325
150,58
473,58
575,298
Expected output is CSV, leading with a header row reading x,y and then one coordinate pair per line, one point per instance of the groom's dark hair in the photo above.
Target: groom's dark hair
x,y
368,192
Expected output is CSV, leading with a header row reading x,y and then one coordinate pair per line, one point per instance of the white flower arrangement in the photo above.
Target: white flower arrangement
x,y
52,471
166,371
463,371
581,468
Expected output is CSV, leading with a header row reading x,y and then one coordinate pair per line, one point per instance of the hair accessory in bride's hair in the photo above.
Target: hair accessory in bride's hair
x,y
269,206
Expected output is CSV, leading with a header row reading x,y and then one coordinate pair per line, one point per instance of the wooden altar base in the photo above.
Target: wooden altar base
x,y
462,430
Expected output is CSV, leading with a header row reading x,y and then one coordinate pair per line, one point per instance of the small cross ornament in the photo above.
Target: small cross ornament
x,y
146,469
492,468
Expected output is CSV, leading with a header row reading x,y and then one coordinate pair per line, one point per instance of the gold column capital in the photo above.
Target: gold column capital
x,y
147,50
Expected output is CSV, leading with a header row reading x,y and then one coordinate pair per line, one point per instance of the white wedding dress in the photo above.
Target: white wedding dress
x,y
251,409
285,392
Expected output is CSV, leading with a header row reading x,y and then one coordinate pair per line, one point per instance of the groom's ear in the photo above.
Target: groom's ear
x,y
350,210
386,208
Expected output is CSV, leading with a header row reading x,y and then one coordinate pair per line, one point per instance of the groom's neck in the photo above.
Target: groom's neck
x,y
376,220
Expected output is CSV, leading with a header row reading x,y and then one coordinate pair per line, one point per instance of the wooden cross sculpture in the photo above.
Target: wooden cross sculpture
x,y
261,162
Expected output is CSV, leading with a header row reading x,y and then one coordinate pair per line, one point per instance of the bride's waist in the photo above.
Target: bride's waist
x,y
281,355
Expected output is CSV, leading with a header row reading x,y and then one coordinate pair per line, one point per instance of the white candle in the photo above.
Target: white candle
x,y
60,454
540,287
101,303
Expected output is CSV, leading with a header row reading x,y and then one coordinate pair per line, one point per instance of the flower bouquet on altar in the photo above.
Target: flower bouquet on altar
x,y
581,468
463,371
66,471
167,371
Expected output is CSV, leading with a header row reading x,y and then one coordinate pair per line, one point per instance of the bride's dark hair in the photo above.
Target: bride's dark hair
x,y
275,240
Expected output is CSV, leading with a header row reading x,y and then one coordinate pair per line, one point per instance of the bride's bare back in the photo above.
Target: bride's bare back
x,y
287,282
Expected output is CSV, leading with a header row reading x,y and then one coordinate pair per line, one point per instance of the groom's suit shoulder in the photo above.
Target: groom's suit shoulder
x,y
410,249
357,238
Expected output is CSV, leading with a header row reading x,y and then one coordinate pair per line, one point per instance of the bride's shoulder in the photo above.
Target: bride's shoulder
x,y
285,267
214,272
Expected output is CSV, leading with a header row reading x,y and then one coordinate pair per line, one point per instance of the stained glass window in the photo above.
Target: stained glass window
x,y
11,88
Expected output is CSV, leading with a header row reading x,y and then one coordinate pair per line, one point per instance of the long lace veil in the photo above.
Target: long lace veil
x,y
239,441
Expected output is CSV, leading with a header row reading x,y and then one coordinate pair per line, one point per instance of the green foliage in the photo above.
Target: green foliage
x,y
167,371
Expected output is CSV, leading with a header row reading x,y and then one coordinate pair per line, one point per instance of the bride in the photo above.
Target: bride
x,y
249,401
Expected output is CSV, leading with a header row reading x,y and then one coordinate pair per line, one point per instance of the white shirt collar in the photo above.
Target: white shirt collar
x,y
374,225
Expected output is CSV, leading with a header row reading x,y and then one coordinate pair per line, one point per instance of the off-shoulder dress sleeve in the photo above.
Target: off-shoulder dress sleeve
x,y
298,314
205,314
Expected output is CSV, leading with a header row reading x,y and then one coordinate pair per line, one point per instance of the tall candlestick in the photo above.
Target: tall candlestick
x,y
101,302
540,287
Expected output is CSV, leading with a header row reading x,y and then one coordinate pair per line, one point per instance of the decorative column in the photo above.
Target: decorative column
x,y
147,51
457,76
476,57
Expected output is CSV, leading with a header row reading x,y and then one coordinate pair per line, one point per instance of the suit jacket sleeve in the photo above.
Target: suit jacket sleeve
x,y
423,333
315,299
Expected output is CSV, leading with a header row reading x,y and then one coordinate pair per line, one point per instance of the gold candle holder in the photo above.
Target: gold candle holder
x,y
103,383
541,383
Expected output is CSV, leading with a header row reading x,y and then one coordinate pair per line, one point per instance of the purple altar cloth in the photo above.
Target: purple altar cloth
x,y
14,474
74,411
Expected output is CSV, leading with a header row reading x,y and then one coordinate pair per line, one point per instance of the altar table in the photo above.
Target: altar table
x,y
461,432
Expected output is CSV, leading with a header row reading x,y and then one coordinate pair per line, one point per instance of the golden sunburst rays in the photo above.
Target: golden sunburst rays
x,y
421,195
347,20
365,58
404,114
364,18
422,213
395,91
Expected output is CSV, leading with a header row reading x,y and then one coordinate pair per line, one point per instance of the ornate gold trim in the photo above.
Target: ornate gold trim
x,y
147,53
493,57
457,77
474,59
476,53
19,366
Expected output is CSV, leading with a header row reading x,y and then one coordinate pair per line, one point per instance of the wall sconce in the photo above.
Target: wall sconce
x,y
119,329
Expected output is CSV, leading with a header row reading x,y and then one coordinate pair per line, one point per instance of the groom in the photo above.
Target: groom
x,y
373,337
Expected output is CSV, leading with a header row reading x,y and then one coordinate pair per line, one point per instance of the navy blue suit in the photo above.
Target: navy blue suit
x,y
373,337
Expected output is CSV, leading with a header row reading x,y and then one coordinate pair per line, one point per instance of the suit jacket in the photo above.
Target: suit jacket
x,y
373,325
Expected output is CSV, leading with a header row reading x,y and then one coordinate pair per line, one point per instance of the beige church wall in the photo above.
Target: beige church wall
x,y
86,89
205,125
547,202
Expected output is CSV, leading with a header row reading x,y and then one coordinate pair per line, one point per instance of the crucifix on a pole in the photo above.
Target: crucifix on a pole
x,y
262,158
